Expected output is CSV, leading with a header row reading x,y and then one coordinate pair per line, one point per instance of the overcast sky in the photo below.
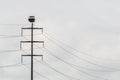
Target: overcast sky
x,y
89,26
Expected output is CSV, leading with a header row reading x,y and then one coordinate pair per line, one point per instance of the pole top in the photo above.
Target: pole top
x,y
31,19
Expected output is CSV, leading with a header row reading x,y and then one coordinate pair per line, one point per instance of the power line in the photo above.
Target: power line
x,y
88,73
84,53
79,66
63,74
12,36
77,56
12,65
70,47
81,70
19,64
45,63
15,50
50,68
77,69
54,69
37,73
7,51
85,72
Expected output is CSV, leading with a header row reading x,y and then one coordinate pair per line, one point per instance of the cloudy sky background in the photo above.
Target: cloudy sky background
x,y
89,26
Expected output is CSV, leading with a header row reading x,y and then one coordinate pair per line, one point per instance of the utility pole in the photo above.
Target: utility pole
x,y
31,19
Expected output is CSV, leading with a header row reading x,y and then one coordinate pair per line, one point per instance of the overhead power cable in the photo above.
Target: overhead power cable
x,y
63,74
83,59
13,65
15,50
76,50
51,37
38,73
78,69
81,70
88,73
12,36
6,51
85,68
70,78
53,68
